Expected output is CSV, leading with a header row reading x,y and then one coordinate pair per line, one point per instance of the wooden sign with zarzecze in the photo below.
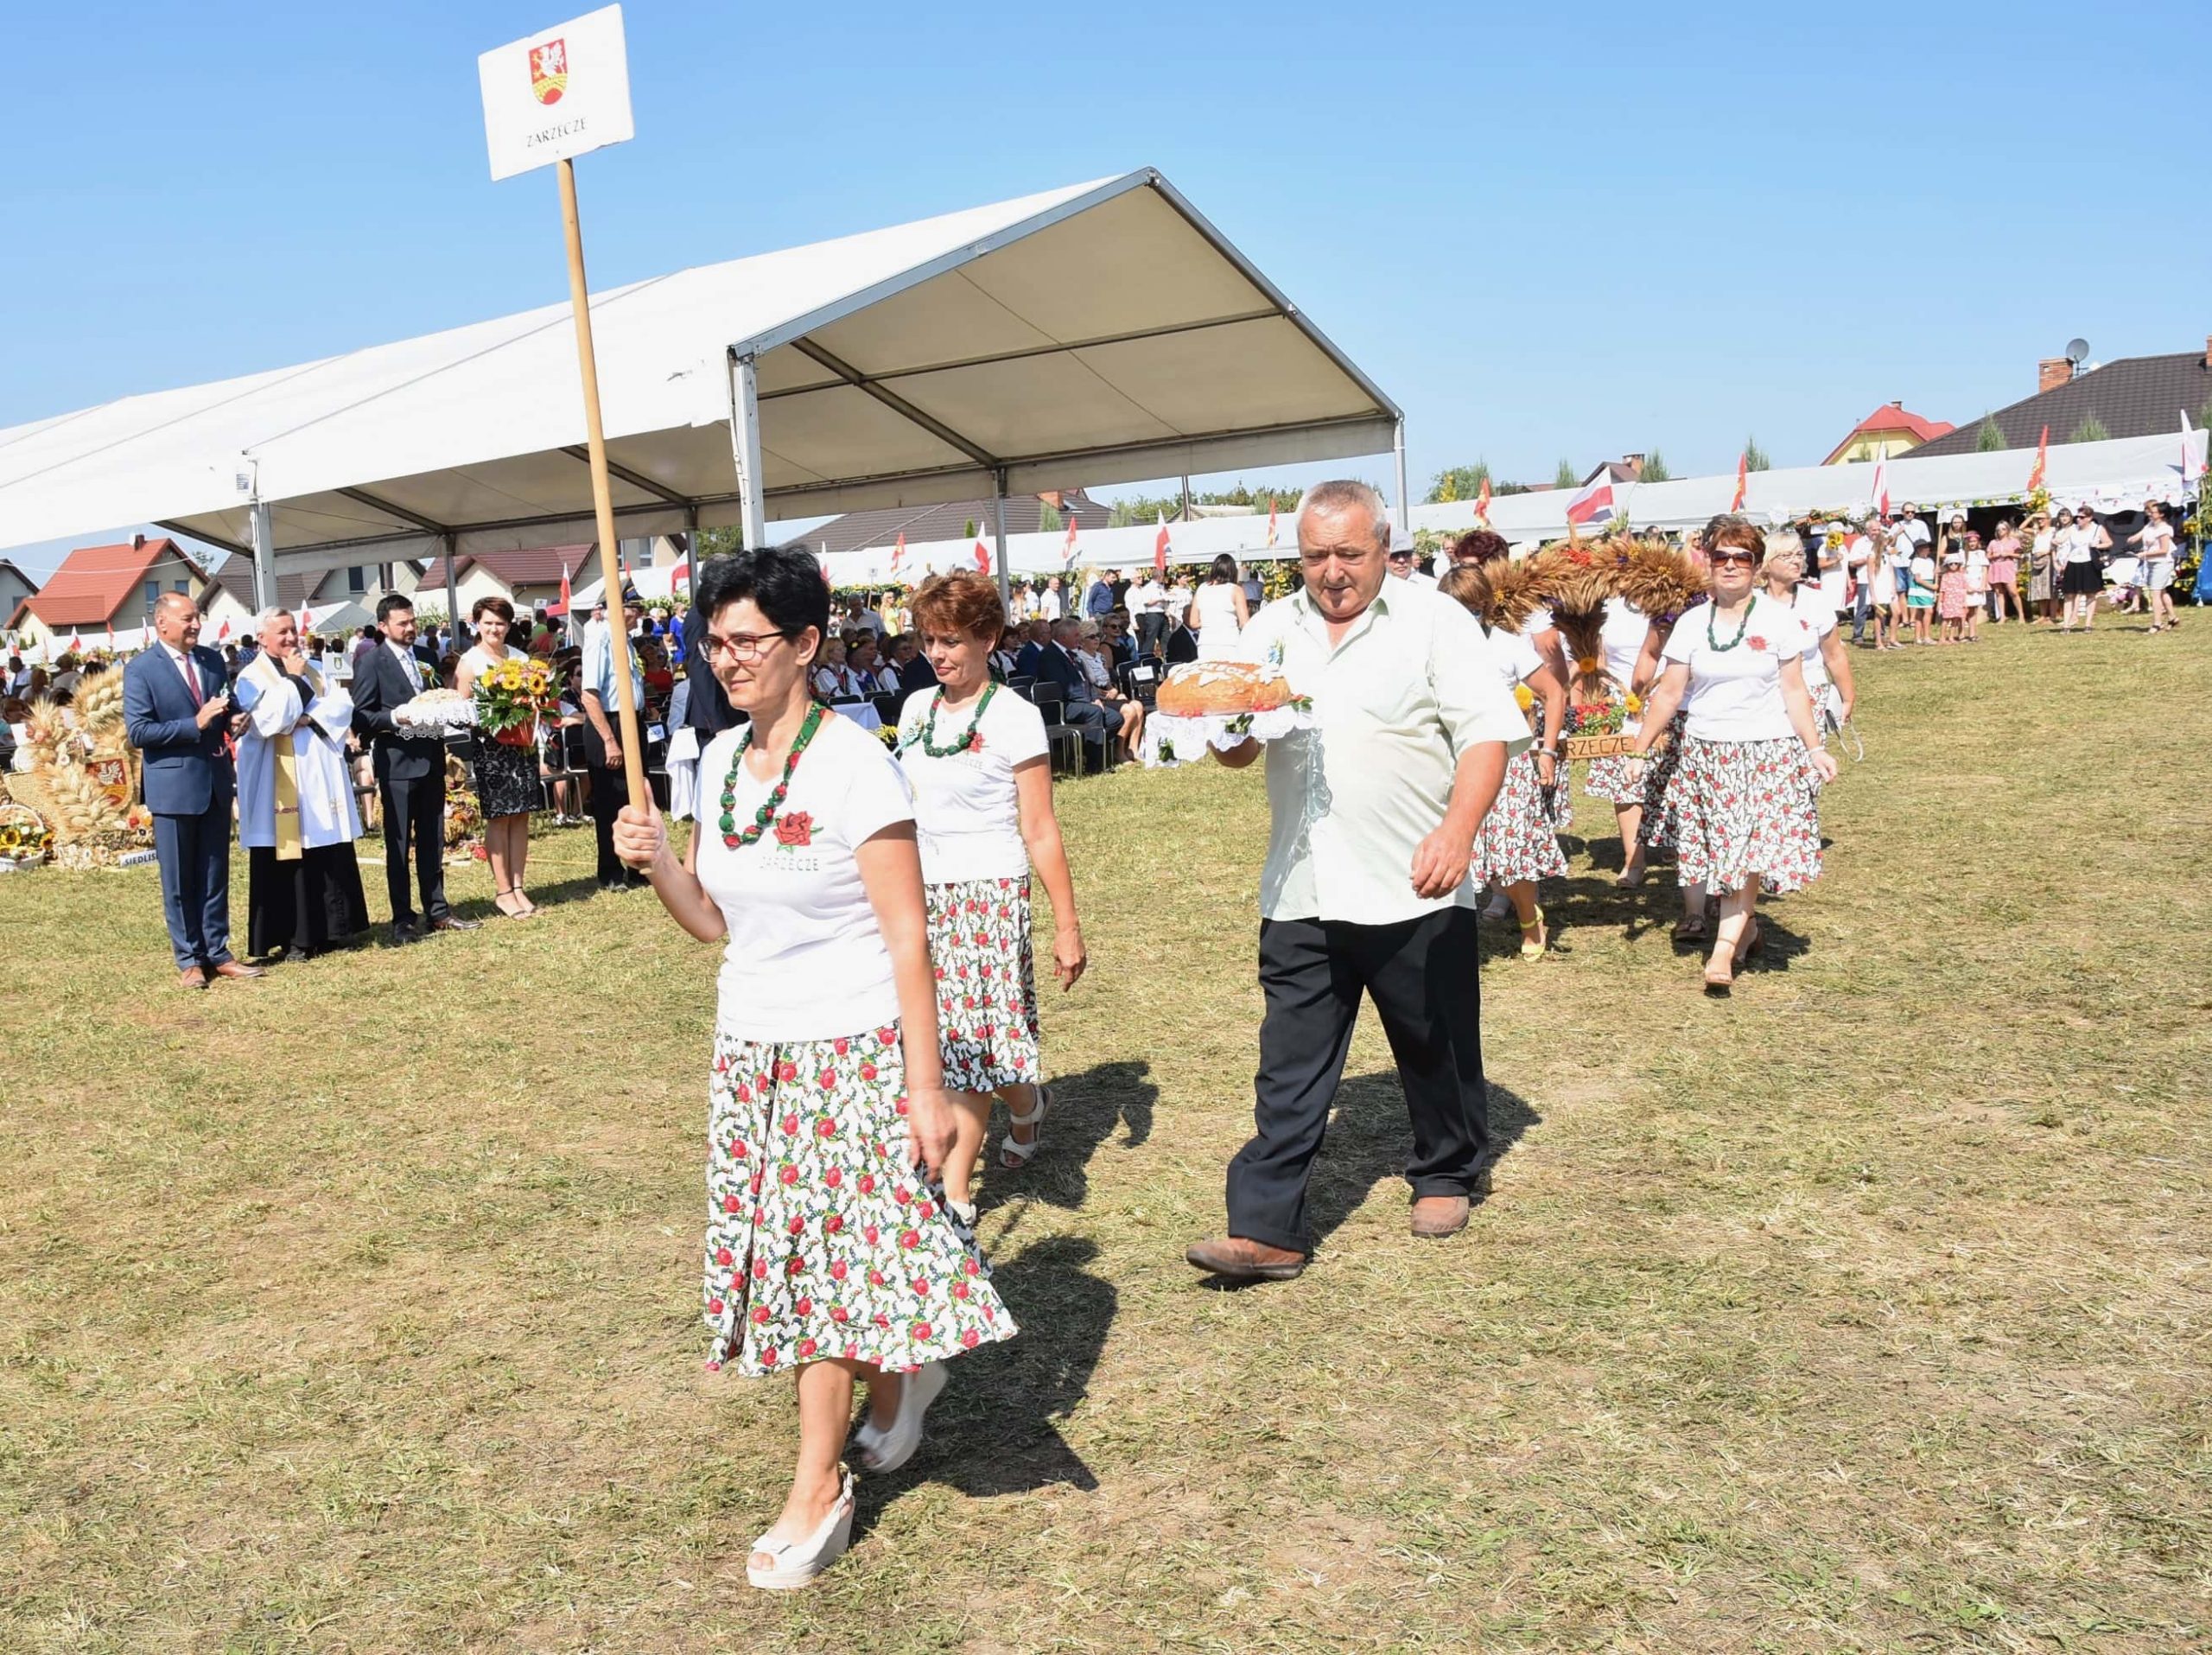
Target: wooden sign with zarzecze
x,y
1608,747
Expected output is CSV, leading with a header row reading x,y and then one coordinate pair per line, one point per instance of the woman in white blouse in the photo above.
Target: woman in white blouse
x,y
1825,664
829,1250
2156,538
982,771
1746,802
834,680
2081,571
1219,612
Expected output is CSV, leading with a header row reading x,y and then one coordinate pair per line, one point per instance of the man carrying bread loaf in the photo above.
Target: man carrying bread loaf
x,y
1374,810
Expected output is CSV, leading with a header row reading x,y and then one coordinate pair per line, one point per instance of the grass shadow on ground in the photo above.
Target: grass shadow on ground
x,y
994,1431
1369,1139
1086,1109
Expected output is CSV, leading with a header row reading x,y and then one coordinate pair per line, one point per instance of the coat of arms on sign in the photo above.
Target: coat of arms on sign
x,y
549,71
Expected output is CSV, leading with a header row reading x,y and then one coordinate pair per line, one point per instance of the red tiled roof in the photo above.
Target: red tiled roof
x,y
532,566
94,582
1893,416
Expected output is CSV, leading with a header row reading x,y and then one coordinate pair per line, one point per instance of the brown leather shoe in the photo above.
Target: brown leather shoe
x,y
1239,1260
238,968
191,978
1438,1216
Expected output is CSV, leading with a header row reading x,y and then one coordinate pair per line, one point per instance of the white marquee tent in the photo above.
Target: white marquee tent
x,y
2112,476
1100,333
2115,475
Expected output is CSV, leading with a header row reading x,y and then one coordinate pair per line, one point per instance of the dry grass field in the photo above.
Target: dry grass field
x,y
356,1309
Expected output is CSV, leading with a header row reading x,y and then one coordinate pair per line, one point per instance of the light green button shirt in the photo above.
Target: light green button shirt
x,y
1409,689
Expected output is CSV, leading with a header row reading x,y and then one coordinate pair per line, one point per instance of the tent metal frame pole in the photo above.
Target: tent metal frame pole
x,y
745,448
998,524
265,556
453,586
1405,501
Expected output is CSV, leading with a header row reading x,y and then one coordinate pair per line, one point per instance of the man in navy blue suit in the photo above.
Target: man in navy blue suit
x,y
176,710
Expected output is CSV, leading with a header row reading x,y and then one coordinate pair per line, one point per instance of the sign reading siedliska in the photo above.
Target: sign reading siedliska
x,y
556,93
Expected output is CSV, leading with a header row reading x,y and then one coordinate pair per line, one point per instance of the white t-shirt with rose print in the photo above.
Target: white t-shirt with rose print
x,y
965,804
806,961
1735,695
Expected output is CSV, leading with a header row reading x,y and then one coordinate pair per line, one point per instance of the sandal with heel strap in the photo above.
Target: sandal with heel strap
x,y
1536,950
798,1561
1013,1154
512,913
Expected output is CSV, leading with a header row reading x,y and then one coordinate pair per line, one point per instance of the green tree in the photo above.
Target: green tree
x,y
1049,518
1989,436
1566,476
1755,456
713,543
1655,468
2204,414
1461,482
969,533
2091,429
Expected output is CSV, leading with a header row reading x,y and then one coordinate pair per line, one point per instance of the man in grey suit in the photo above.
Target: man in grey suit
x,y
177,713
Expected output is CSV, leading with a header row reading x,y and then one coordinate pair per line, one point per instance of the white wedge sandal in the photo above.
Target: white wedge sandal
x,y
1013,1154
888,1450
797,1562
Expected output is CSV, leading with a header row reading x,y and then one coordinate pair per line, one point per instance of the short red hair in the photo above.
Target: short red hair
x,y
959,602
1739,535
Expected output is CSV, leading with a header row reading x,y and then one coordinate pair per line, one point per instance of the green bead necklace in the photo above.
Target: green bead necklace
x,y
1712,612
764,818
966,740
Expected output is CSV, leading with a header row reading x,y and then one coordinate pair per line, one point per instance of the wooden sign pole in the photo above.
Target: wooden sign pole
x,y
610,567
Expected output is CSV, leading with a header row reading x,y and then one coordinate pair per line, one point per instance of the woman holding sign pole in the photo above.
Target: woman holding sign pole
x,y
828,1249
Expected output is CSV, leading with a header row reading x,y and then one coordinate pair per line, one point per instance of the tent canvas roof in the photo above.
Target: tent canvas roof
x,y
1101,333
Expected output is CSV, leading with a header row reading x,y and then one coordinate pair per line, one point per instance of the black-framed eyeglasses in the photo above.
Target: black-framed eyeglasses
x,y
738,647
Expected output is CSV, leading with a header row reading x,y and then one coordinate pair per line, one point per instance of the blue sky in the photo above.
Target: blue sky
x,y
1546,232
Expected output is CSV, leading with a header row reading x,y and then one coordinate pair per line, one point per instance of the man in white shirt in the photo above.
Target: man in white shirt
x,y
1149,599
1859,565
1374,813
1403,566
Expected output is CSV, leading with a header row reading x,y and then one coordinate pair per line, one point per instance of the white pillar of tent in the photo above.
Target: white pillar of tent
x,y
998,522
453,588
264,557
745,448
1404,503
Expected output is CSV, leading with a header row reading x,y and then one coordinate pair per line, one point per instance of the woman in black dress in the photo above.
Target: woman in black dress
x,y
507,785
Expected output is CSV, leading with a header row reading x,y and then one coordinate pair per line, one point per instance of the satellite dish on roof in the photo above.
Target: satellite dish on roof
x,y
2077,351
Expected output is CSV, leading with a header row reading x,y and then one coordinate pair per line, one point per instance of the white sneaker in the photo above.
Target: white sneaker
x,y
894,1448
797,1562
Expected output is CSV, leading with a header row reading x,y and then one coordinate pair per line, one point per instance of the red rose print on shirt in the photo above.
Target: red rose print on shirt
x,y
798,828
1756,642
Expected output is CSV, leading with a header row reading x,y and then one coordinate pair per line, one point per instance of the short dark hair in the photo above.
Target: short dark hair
x,y
785,581
492,605
1224,568
391,603
1480,546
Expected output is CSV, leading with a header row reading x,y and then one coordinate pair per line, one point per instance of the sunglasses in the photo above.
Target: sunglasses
x,y
1733,555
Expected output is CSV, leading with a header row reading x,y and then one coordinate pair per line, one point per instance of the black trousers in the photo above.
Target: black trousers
x,y
1150,628
610,792
1422,975
415,809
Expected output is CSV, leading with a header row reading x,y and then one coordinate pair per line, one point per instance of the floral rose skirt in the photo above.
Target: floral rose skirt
x,y
1745,808
986,983
820,1240
1618,781
1519,839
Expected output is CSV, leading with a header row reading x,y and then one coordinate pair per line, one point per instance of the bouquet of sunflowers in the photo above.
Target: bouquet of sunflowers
x,y
510,695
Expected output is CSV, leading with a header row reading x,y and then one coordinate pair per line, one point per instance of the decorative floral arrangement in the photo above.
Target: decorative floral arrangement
x,y
510,695
1606,717
25,843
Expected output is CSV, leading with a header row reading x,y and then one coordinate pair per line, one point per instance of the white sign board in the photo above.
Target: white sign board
x,y
556,93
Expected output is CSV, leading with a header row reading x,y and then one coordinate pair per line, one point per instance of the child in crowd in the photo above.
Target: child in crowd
x,y
1977,584
1919,599
1951,597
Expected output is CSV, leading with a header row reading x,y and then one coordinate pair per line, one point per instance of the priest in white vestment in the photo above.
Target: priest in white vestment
x,y
296,815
